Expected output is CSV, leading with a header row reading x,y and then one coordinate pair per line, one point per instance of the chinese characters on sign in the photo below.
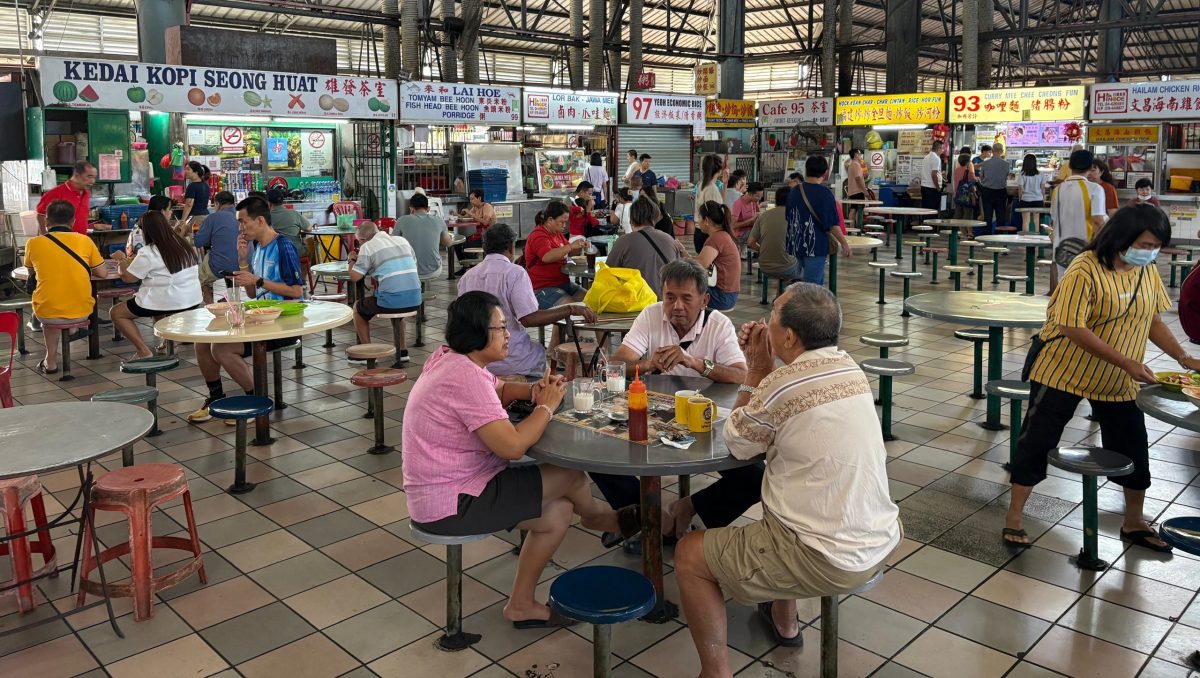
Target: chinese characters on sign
x,y
452,103
1017,105
891,109
792,112
644,80
557,107
706,79
665,109
1145,100
1123,134
729,113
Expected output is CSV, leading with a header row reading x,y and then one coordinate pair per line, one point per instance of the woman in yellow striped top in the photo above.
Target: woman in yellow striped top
x,y
1104,309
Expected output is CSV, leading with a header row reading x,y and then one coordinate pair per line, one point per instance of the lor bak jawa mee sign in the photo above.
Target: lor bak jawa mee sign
x,y
90,83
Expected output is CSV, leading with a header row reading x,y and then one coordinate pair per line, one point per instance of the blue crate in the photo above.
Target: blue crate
x,y
112,214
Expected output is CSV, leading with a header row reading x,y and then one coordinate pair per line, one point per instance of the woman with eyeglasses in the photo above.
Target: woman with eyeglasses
x,y
458,442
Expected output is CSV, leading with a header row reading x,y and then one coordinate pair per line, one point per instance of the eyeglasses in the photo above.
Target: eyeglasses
x,y
501,328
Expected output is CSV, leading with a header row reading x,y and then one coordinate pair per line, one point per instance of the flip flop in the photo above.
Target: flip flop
x,y
629,518
1142,538
764,610
41,368
556,621
1010,532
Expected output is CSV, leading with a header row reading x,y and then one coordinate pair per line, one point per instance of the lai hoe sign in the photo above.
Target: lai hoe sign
x,y
557,107
1017,105
444,103
123,85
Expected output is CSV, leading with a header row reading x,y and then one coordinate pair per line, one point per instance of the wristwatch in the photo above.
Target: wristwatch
x,y
708,367
259,283
745,388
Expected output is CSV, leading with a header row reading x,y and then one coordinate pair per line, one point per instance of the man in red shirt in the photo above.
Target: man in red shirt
x,y
581,221
77,191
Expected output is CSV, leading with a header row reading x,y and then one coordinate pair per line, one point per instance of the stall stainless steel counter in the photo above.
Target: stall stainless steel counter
x,y
518,213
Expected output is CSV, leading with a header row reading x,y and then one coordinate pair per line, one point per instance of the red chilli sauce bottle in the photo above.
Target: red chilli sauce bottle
x,y
638,404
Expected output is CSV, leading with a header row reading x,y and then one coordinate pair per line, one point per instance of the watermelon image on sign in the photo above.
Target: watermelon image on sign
x,y
89,95
65,92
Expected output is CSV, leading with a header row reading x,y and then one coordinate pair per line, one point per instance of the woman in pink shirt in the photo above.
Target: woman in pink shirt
x,y
458,442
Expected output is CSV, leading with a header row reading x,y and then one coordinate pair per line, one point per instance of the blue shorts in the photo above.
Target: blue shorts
x,y
814,268
549,297
720,300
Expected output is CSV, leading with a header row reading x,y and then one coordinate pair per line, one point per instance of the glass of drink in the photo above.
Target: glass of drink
x,y
614,378
584,394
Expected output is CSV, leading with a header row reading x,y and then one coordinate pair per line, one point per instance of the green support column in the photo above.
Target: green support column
x,y
1089,558
156,127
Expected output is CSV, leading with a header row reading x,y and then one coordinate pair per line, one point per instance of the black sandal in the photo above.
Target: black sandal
x,y
629,519
764,610
41,368
1010,532
1142,538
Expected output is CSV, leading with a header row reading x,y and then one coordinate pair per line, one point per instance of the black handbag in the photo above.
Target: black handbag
x,y
1037,343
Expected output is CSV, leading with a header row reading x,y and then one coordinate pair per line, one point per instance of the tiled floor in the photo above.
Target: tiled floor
x,y
314,573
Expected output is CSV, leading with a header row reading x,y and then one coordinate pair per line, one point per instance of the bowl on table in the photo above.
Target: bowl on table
x,y
218,309
1193,395
1175,381
267,314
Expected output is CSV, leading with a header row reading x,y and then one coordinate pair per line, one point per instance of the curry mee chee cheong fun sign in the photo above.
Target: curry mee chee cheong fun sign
x,y
123,85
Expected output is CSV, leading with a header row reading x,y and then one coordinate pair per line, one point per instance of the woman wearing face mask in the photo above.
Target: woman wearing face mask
x,y
1145,194
1104,309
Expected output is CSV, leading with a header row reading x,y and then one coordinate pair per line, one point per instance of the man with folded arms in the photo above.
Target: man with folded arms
x,y
828,523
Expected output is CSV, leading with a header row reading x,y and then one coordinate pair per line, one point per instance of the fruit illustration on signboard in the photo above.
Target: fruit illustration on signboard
x,y
88,94
136,94
65,91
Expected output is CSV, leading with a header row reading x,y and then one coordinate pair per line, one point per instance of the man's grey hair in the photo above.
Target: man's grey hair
x,y
366,230
684,270
499,239
813,313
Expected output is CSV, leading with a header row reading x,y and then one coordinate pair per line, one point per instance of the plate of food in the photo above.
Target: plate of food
x,y
1193,395
1175,381
260,315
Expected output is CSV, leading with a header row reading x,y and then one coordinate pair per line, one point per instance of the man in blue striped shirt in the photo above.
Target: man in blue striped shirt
x,y
390,260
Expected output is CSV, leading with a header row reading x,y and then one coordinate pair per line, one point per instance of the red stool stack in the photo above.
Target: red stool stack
x,y
135,491
14,493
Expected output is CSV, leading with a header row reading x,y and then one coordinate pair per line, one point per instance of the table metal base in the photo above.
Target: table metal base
x,y
262,425
995,367
652,562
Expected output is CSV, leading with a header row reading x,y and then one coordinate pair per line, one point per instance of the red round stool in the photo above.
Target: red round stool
x,y
14,493
135,491
376,380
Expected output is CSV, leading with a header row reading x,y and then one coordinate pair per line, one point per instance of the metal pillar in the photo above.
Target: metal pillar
x,y
903,33
635,40
154,17
731,39
391,40
596,23
845,36
987,13
614,45
575,52
828,44
449,56
469,41
1108,66
410,32
970,45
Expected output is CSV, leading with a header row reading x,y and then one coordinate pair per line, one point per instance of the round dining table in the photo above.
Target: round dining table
x,y
1031,242
455,241
858,243
996,310
954,226
201,326
902,216
340,271
858,217
111,276
584,449
1171,407
346,233
34,446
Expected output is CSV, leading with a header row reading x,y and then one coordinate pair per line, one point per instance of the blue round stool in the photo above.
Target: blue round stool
x,y
602,595
1182,533
240,408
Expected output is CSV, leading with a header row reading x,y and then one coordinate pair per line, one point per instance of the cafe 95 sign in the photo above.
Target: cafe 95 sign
x,y
792,112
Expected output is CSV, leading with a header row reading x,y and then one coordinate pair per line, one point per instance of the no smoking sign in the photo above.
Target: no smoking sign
x,y
231,140
316,139
876,160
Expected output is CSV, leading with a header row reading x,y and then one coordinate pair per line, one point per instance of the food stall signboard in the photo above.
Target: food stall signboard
x,y
560,169
665,109
123,85
1122,134
1034,135
891,109
729,113
560,107
1017,105
915,141
706,78
792,112
447,103
1145,100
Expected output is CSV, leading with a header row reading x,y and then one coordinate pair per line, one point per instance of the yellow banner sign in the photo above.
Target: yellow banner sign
x,y
1122,134
729,113
1027,104
706,79
927,108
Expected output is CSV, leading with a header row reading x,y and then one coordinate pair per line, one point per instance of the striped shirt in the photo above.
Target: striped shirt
x,y
1092,296
391,261
826,477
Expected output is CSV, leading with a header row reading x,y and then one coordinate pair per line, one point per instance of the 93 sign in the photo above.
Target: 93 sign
x,y
965,104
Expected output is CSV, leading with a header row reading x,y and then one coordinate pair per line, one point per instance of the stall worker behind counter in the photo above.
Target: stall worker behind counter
x,y
286,222
77,190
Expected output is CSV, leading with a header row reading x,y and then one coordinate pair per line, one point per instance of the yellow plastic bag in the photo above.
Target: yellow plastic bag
x,y
618,290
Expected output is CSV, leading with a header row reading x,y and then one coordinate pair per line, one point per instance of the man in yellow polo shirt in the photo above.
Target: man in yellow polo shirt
x,y
62,261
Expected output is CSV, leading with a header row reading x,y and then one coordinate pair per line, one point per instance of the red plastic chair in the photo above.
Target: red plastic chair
x,y
10,324
346,207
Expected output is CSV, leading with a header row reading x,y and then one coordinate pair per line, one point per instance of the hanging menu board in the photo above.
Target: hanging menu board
x,y
891,109
644,108
90,83
1146,100
444,103
1017,105
558,107
791,112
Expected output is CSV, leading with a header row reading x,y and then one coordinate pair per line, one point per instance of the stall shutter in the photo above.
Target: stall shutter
x,y
671,148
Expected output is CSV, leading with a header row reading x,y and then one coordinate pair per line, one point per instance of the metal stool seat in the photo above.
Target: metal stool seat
x,y
602,595
370,352
453,637
132,395
1012,280
922,228
979,264
397,321
1090,462
883,341
240,408
956,272
882,266
376,380
996,251
1016,392
829,625
886,370
65,325
18,305
150,366
908,277
1182,533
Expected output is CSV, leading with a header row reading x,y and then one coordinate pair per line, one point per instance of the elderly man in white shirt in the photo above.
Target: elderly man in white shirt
x,y
678,336
828,522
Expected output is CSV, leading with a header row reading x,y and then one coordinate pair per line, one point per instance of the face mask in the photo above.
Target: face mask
x,y
635,194
1144,198
1136,257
